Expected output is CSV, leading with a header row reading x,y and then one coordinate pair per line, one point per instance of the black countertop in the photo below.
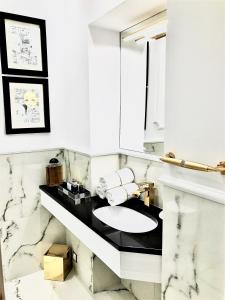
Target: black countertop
x,y
149,242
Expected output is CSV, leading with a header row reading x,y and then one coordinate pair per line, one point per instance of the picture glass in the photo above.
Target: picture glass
x,y
23,45
27,105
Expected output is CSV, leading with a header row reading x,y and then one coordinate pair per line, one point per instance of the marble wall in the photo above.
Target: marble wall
x,y
98,279
88,169
94,274
78,167
143,290
193,250
27,229
83,263
193,247
144,170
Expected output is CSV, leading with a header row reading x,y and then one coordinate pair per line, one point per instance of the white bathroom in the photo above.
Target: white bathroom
x,y
112,150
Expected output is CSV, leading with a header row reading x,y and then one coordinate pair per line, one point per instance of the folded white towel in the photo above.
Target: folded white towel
x,y
116,179
121,194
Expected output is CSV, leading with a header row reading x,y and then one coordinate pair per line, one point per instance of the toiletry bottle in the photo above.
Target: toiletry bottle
x,y
54,172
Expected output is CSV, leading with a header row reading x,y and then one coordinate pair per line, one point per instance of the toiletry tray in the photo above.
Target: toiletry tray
x,y
80,193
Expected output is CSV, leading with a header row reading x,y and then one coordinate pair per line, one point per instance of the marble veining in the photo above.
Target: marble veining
x,y
194,248
104,279
191,286
26,228
84,265
21,247
117,294
71,289
143,290
77,166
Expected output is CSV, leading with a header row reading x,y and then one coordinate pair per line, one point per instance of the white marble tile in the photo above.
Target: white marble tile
x,y
29,287
77,167
194,247
26,241
34,287
143,290
103,277
71,289
20,177
119,293
26,229
84,265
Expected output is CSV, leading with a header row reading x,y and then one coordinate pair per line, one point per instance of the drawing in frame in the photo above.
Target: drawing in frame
x,y
23,45
26,103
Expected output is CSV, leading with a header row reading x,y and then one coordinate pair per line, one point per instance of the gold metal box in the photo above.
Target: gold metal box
x,y
57,262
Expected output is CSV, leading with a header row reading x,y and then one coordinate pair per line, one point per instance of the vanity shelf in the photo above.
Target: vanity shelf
x,y
134,256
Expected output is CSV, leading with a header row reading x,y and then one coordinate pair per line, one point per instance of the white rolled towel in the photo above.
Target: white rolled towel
x,y
116,179
126,175
121,194
100,192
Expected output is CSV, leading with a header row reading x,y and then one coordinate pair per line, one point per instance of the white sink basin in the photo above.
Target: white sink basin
x,y
125,219
161,215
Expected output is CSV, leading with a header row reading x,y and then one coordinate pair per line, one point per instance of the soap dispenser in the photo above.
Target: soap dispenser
x,y
54,172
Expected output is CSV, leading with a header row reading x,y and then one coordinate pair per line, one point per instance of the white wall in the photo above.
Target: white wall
x,y
67,41
68,73
104,83
98,8
76,96
12,143
195,103
195,79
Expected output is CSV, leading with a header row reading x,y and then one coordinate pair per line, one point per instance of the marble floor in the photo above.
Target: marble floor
x,y
34,287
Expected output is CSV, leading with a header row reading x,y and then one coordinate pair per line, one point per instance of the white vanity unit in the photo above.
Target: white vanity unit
x,y
113,247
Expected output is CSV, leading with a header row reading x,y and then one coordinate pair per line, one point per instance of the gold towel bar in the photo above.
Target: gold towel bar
x,y
170,159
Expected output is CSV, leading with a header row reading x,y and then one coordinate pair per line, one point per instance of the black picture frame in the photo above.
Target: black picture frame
x,y
7,104
3,45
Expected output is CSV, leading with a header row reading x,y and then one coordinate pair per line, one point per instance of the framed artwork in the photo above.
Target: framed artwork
x,y
26,104
23,45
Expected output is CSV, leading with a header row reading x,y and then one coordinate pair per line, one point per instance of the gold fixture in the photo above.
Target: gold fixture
x,y
159,36
146,189
171,159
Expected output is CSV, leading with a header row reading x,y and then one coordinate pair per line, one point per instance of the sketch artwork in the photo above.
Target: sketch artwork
x,y
23,45
23,51
27,105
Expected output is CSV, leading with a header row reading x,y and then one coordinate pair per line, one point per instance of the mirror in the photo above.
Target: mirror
x,y
143,58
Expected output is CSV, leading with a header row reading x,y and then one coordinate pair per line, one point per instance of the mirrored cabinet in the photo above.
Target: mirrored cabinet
x,y
143,64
